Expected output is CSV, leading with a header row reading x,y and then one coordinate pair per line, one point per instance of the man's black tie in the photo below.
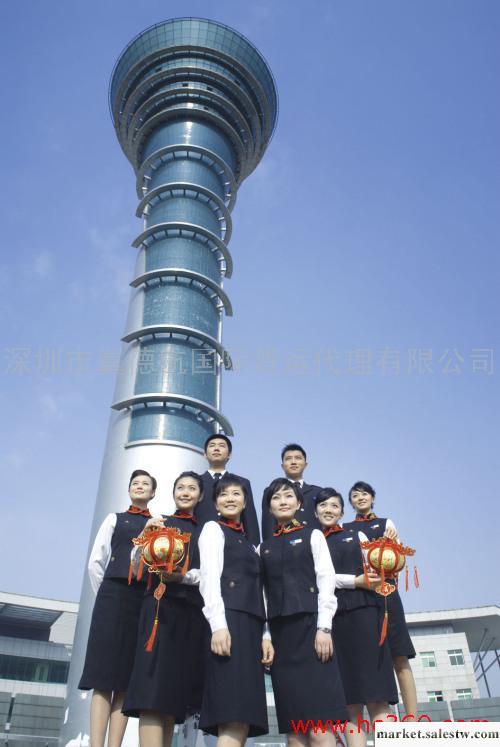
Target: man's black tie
x,y
216,477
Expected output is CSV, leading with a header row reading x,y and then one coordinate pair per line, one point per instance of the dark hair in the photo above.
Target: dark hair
x,y
282,482
364,486
195,477
327,493
293,447
218,435
138,472
229,479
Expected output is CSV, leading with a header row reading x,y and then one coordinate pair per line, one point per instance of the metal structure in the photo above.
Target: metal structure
x,y
194,106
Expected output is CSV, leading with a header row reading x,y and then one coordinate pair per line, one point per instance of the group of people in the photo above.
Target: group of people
x,y
300,604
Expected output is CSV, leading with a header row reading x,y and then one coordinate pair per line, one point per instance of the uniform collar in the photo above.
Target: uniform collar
x,y
292,526
327,531
184,515
236,526
368,517
142,511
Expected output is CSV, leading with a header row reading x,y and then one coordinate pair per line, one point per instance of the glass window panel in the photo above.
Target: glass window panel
x,y
428,659
435,696
456,657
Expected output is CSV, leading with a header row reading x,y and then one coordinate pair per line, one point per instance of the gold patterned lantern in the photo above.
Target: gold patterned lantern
x,y
163,549
387,558
160,549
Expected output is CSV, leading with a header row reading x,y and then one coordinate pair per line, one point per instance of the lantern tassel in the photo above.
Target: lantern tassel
x,y
186,561
416,579
385,623
170,563
130,572
407,577
139,571
151,640
365,571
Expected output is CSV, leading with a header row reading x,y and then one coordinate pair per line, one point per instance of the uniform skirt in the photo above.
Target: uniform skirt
x,y
397,631
234,685
304,688
112,636
365,667
168,679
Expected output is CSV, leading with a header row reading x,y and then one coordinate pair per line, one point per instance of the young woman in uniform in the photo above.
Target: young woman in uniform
x,y
113,629
299,581
234,698
365,667
362,499
166,681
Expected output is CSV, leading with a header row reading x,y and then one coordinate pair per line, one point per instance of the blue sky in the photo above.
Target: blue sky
x,y
365,287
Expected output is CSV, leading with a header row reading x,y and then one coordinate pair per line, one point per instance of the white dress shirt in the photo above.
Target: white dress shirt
x,y
211,544
101,552
220,472
345,581
325,579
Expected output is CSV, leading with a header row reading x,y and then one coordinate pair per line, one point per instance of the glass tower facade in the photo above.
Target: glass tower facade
x,y
194,105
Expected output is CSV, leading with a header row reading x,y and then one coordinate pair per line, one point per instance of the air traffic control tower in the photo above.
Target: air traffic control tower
x,y
194,105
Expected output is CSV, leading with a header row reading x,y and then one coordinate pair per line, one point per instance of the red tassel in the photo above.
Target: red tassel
x,y
139,572
416,580
151,640
170,564
150,579
385,623
130,571
383,632
186,561
365,571
407,577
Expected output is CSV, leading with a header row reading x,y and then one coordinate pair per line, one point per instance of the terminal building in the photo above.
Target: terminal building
x,y
36,639
457,652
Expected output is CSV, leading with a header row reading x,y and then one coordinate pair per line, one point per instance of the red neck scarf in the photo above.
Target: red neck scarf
x,y
236,526
141,511
327,531
292,526
368,517
184,515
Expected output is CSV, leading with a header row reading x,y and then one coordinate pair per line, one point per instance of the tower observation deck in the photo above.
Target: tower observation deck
x,y
194,106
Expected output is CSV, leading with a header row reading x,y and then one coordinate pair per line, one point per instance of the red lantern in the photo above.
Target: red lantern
x,y
387,558
162,549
